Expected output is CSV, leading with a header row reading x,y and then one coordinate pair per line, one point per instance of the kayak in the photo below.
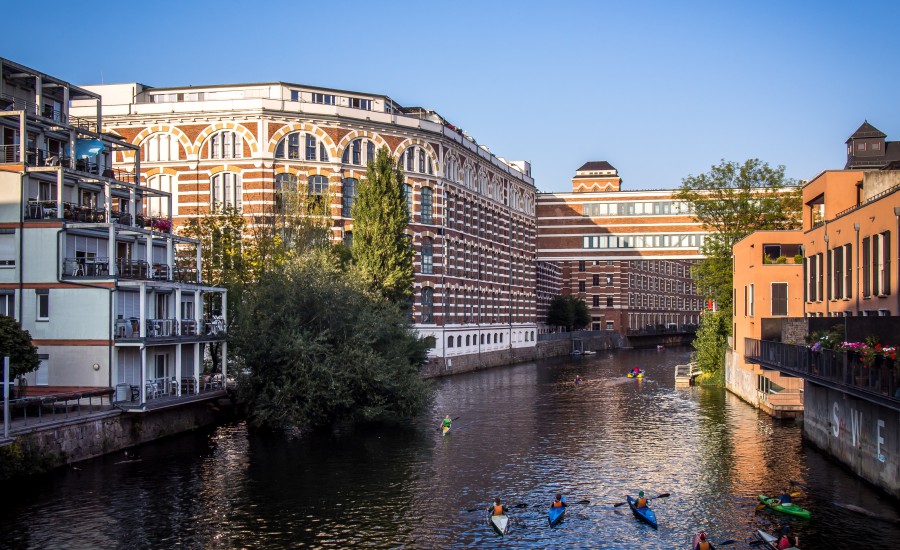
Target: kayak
x,y
697,540
555,515
640,374
790,509
770,541
445,430
500,524
643,513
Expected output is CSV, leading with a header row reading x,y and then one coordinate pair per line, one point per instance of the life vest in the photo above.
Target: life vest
x,y
641,502
703,545
498,510
557,504
784,542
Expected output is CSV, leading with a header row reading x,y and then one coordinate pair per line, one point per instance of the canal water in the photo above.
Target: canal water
x,y
521,433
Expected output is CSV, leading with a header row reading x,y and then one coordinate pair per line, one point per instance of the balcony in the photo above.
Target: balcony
x,y
840,370
158,329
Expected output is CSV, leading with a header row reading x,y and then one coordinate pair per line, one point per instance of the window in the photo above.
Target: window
x,y
610,325
43,304
348,195
609,301
428,256
596,300
408,195
866,268
42,374
609,280
289,148
779,299
323,99
160,148
348,239
848,271
750,304
7,247
581,265
596,280
317,189
353,152
427,209
311,143
581,286
226,144
449,341
318,185
156,205
358,103
415,159
285,190
427,305
225,191
881,264
7,303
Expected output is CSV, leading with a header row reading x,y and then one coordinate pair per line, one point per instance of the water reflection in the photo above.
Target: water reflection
x,y
523,433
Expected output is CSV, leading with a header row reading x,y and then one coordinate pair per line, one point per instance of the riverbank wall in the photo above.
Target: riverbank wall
x,y
861,434
550,345
50,445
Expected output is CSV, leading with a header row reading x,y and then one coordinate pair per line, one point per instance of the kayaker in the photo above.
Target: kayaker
x,y
635,371
558,501
445,423
786,540
785,497
641,502
703,544
578,379
497,509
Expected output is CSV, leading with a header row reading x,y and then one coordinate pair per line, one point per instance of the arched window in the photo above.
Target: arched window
x,y
501,337
452,170
158,206
427,255
459,341
427,305
301,145
285,192
496,337
160,148
482,339
426,205
360,152
415,159
226,144
467,340
348,195
225,190
449,341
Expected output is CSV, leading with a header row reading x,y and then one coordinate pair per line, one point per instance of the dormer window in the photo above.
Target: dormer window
x,y
861,146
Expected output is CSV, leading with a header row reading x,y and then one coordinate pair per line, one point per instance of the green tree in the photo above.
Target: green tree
x,y
568,311
320,347
381,249
733,200
221,236
710,344
15,343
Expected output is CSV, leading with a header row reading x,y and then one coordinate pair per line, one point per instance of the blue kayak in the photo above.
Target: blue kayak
x,y
643,513
555,515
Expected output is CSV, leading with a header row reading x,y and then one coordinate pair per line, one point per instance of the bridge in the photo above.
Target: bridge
x,y
685,374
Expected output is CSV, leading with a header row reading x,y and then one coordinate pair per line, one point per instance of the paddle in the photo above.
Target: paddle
x,y
663,495
756,542
802,486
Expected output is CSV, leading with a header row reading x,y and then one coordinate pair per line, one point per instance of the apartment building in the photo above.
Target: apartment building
x,y
109,302
472,213
768,282
627,254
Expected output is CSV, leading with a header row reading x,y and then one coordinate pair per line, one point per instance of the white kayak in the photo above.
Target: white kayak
x,y
500,524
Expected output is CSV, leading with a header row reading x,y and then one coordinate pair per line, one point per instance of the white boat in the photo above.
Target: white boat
x,y
500,524
589,352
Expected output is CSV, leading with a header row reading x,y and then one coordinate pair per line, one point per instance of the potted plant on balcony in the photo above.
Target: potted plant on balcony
x,y
161,224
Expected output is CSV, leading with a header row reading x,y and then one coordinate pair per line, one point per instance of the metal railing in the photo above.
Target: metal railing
x,y
843,368
26,412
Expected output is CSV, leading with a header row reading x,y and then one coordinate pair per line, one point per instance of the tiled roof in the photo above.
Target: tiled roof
x,y
866,130
596,165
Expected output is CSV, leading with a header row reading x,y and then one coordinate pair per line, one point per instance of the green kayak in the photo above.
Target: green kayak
x,y
791,509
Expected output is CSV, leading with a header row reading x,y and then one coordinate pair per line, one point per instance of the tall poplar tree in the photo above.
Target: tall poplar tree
x,y
381,250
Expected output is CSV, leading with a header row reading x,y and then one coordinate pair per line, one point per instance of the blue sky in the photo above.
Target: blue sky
x,y
661,90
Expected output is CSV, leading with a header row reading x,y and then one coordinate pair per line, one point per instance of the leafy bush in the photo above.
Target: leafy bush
x,y
781,260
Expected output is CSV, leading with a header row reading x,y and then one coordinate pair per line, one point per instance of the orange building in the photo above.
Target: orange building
x,y
768,282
